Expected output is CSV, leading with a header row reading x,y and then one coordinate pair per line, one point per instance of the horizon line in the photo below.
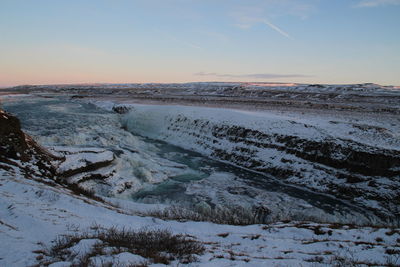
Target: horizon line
x,y
238,82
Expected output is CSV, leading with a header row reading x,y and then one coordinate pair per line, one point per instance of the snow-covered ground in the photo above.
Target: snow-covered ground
x,y
33,214
319,137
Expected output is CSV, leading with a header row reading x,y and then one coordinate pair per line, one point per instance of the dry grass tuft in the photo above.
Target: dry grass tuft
x,y
158,246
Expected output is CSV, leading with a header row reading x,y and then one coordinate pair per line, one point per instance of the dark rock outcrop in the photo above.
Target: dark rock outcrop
x,y
121,109
88,167
20,150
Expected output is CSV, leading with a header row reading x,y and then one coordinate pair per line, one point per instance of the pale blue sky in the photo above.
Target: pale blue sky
x,y
315,41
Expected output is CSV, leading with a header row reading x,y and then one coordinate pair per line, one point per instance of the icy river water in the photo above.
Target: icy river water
x,y
159,172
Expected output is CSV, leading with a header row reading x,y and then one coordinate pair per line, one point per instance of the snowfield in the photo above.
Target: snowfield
x,y
33,214
316,169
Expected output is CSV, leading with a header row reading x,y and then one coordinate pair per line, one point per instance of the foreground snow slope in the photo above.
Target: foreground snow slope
x,y
32,214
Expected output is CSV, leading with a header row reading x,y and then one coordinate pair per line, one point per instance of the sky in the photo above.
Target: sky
x,y
128,41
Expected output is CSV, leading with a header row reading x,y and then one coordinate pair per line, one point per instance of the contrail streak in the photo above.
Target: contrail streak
x,y
276,28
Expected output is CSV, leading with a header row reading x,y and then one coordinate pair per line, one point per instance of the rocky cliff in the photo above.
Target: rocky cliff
x,y
20,150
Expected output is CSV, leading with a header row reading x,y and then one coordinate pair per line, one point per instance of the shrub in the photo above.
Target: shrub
x,y
219,215
159,246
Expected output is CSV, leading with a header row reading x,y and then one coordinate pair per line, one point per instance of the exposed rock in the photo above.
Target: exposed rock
x,y
84,162
19,149
121,109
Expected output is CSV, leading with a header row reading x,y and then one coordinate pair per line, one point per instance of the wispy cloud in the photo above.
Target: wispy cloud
x,y
265,11
246,22
376,3
252,76
276,28
256,11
